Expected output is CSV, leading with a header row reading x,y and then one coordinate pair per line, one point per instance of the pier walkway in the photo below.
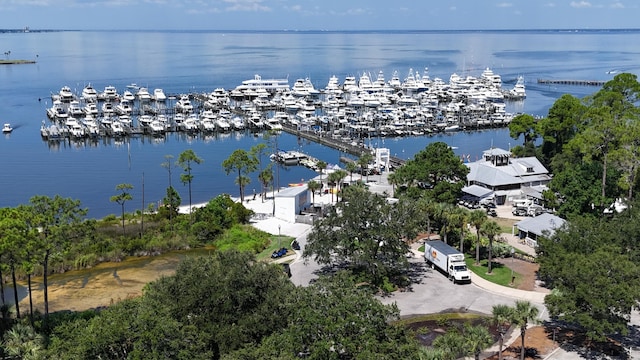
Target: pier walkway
x,y
572,82
337,144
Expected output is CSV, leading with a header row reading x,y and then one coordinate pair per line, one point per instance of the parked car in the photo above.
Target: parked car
x,y
519,212
295,245
279,253
492,212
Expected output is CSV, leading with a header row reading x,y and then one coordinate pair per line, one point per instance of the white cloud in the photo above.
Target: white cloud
x,y
550,5
580,4
453,8
504,5
617,5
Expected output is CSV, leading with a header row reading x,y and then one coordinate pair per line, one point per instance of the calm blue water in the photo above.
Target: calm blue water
x,y
181,62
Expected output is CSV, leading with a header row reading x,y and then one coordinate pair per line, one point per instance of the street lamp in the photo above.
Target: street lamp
x,y
513,251
279,237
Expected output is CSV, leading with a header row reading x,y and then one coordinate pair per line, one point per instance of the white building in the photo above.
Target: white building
x,y
291,201
502,177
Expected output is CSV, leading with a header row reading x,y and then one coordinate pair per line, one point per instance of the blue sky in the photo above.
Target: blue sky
x,y
318,14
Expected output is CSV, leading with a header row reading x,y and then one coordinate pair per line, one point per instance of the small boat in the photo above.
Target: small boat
x,y
7,128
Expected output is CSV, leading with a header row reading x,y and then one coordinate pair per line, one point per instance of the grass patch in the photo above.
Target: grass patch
x,y
506,225
442,316
276,242
500,274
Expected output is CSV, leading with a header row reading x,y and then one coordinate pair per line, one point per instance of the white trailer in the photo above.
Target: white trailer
x,y
447,259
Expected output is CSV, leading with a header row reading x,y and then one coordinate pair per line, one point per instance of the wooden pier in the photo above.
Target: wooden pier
x,y
338,144
572,82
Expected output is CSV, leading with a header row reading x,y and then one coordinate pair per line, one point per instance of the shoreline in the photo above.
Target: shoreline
x,y
16,62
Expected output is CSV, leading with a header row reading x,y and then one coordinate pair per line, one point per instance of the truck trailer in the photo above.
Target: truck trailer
x,y
448,260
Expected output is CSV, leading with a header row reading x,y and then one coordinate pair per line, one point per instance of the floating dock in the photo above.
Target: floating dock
x,y
572,82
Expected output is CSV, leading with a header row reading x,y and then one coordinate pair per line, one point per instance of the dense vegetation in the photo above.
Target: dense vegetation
x,y
592,146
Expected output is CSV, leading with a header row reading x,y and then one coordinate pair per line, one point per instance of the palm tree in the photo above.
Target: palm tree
x,y
351,167
476,338
122,198
501,315
243,163
442,212
364,161
520,316
332,180
313,186
266,178
477,218
23,342
459,218
339,176
321,166
491,229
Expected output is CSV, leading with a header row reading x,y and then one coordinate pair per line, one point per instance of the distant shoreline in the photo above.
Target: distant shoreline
x,y
13,62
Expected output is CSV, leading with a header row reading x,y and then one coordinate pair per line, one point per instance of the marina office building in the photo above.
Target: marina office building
x,y
500,177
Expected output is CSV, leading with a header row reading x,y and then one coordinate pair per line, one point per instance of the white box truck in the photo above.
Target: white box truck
x,y
447,259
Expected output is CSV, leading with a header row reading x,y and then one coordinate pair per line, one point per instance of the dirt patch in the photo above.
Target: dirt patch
x,y
527,270
538,342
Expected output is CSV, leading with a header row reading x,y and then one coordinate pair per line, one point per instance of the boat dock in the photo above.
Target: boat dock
x,y
352,148
572,82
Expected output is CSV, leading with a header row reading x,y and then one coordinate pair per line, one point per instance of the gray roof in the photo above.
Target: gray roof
x,y
515,172
541,223
292,191
496,152
477,191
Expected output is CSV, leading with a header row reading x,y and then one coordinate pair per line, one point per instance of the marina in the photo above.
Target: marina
x,y
340,116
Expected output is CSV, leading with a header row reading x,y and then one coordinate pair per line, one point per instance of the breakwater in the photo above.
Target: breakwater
x,y
572,82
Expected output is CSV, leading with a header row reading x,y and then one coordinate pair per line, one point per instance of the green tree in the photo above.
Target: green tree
x,y
501,314
363,161
590,266
334,318
169,164
491,229
369,232
313,186
477,218
476,339
171,203
561,125
452,344
122,198
524,125
259,151
351,167
14,234
521,315
243,163
266,179
436,171
58,220
321,165
185,160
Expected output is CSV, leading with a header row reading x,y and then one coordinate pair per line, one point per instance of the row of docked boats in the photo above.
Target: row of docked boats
x,y
354,109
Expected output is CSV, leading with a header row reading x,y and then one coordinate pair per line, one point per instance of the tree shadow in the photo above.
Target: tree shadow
x,y
573,339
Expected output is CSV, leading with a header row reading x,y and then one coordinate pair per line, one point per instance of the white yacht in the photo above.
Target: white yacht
x,y
128,95
110,93
518,90
57,111
157,127
143,94
108,109
74,109
117,129
89,94
124,108
271,85
6,128
158,95
65,94
184,104
91,109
